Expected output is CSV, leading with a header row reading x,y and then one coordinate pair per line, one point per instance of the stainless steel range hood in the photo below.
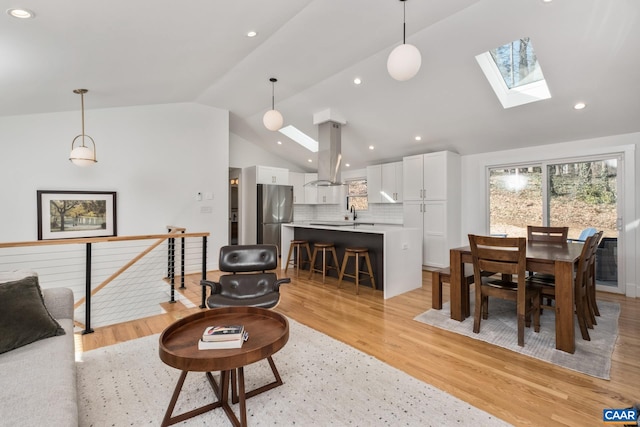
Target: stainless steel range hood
x,y
329,155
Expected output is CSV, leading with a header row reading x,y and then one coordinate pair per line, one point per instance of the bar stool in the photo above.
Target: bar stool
x,y
324,247
298,262
358,253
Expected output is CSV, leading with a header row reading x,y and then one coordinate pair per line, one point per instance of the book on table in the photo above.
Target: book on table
x,y
220,345
223,333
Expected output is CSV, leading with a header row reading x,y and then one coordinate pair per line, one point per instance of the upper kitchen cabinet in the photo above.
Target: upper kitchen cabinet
x,y
392,182
431,176
374,184
272,175
384,183
319,195
297,180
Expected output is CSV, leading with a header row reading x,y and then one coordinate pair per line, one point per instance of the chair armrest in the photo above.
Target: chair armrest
x,y
276,285
215,286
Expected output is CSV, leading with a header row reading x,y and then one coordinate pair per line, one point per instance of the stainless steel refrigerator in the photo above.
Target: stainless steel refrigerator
x,y
275,207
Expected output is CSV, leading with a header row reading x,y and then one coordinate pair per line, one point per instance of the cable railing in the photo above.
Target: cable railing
x,y
114,279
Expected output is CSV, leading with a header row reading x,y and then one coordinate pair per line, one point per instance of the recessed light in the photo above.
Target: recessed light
x,y
547,1
309,160
21,13
252,34
347,165
357,81
579,106
418,138
279,142
371,147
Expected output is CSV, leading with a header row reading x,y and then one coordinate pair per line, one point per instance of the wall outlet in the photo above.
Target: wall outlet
x,y
405,246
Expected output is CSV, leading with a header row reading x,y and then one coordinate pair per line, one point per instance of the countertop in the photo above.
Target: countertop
x,y
359,227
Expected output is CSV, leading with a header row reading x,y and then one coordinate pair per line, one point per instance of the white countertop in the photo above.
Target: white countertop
x,y
363,227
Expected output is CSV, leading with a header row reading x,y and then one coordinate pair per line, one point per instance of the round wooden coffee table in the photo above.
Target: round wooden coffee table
x,y
268,333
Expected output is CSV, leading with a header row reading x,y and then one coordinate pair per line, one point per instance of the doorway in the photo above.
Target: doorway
x,y
234,205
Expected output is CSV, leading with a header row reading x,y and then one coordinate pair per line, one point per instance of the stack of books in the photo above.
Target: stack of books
x,y
221,337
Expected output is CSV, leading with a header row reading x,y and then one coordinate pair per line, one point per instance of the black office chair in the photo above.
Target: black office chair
x,y
254,287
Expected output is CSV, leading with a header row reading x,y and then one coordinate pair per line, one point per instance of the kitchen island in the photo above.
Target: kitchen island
x,y
396,251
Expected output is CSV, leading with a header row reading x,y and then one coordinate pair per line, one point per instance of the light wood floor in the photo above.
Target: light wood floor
x,y
515,388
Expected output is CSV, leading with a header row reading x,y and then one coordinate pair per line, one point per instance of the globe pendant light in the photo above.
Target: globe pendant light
x,y
404,61
82,155
272,119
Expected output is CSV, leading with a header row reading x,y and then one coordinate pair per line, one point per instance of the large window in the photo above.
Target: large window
x,y
357,194
515,200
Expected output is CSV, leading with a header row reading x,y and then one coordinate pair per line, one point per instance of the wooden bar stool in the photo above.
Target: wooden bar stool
x,y
358,253
298,262
324,247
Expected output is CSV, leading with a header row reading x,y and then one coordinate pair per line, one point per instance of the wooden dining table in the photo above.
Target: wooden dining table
x,y
542,257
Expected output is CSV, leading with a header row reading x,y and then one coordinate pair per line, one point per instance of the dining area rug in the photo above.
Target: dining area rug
x,y
500,329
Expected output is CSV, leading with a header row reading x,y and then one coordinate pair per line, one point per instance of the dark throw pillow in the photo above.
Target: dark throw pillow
x,y
23,316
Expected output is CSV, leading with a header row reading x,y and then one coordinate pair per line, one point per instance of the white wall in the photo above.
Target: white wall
x,y
243,153
475,199
155,157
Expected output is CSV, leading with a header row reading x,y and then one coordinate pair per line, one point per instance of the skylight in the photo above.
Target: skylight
x,y
300,137
514,73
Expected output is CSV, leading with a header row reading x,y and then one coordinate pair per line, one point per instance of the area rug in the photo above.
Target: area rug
x,y
591,357
326,383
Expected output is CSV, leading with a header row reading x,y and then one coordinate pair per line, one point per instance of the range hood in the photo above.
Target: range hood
x,y
329,155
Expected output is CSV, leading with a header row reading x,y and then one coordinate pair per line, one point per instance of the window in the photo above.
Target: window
x,y
515,200
357,194
514,73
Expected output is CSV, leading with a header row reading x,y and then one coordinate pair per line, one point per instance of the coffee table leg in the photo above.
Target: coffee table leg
x,y
168,420
243,400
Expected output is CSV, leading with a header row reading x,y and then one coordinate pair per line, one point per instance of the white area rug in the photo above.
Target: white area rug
x,y
326,383
591,357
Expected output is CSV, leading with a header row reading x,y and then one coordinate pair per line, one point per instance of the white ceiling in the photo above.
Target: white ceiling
x,y
159,51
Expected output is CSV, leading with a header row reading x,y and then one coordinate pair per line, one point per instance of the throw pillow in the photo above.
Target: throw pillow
x,y
23,316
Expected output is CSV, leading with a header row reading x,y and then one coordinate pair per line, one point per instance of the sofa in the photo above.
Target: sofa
x,y
38,380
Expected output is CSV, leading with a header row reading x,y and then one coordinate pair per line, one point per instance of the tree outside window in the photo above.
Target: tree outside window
x,y
357,194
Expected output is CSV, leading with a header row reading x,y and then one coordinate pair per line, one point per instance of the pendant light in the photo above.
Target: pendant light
x,y
404,61
272,119
82,155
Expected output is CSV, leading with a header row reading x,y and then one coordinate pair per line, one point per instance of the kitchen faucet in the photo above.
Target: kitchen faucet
x,y
353,209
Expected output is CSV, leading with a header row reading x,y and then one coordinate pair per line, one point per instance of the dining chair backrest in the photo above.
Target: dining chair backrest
x,y
583,281
505,255
547,234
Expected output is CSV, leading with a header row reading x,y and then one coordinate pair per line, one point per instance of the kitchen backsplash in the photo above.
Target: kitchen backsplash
x,y
377,212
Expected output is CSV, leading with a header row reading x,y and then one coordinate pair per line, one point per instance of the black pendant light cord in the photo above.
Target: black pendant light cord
x,y
82,106
404,22
273,97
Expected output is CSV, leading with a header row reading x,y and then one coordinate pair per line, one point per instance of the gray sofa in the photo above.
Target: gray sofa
x,y
38,381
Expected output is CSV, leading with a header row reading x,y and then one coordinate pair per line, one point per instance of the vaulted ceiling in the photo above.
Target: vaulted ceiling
x,y
159,51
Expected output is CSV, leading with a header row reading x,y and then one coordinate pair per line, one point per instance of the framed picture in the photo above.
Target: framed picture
x,y
76,214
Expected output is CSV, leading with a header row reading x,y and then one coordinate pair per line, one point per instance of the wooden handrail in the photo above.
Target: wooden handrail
x,y
84,240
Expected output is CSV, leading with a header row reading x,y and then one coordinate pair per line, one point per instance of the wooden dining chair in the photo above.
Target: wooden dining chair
x,y
547,234
582,287
506,256
543,234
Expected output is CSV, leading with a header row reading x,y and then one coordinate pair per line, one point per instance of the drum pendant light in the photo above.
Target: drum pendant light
x,y
404,61
82,155
272,119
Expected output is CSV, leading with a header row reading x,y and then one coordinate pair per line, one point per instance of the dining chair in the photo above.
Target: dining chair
x,y
537,233
591,280
582,283
506,256
547,234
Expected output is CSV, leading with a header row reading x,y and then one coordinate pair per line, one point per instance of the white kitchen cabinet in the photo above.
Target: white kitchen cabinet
x,y
310,192
329,195
272,175
374,184
434,204
319,195
392,183
297,180
384,183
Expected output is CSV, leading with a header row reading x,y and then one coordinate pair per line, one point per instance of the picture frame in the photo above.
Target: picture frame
x,y
76,214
